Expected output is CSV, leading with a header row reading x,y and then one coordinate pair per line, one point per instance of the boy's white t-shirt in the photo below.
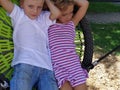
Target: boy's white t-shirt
x,y
31,39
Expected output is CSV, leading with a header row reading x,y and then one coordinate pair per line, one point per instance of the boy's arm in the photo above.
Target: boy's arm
x,y
55,12
83,6
7,5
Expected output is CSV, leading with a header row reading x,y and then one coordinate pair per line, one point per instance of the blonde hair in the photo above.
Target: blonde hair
x,y
63,4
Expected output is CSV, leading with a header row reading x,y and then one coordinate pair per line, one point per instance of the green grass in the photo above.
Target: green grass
x,y
106,36
100,7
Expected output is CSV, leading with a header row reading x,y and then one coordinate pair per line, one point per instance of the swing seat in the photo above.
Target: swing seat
x,y
6,49
84,46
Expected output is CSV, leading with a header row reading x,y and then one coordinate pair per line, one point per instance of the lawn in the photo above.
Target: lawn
x,y
106,36
100,7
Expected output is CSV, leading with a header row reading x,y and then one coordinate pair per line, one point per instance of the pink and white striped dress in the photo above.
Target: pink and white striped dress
x,y
66,63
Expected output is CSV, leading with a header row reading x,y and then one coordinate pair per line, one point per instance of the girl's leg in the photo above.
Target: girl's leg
x,y
81,87
66,86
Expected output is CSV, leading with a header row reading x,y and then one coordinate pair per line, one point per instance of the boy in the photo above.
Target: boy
x,y
31,62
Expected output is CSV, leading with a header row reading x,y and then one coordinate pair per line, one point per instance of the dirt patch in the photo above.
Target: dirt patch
x,y
106,75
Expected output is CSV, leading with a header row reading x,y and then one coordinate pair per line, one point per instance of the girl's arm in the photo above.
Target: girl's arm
x,y
83,6
7,5
55,12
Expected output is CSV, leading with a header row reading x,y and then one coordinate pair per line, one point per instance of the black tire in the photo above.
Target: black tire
x,y
86,48
88,43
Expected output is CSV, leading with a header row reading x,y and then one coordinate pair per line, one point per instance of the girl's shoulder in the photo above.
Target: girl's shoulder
x,y
68,24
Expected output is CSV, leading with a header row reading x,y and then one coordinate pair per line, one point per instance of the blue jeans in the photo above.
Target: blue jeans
x,y
25,77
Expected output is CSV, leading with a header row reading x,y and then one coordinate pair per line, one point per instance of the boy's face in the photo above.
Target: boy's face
x,y
66,14
32,8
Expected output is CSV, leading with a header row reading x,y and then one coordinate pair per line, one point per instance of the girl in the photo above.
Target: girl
x,y
66,64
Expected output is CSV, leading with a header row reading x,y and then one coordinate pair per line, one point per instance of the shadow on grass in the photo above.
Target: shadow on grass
x,y
106,36
103,7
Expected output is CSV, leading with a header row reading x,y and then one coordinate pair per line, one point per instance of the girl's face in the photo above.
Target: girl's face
x,y
32,8
66,14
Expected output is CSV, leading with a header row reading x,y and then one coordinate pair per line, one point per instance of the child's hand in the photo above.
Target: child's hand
x,y
55,12
7,5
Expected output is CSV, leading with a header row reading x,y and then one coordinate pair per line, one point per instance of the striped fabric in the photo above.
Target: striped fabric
x,y
65,60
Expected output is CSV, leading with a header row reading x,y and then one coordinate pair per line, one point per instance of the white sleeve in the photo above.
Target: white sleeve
x,y
15,14
46,18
